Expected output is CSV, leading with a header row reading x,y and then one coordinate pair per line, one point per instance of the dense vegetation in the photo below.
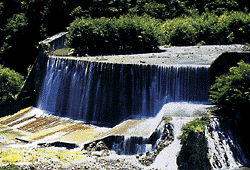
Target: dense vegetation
x,y
182,24
208,28
111,35
231,91
194,150
10,84
197,125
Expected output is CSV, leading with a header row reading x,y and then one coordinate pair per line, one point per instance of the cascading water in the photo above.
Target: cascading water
x,y
225,153
101,92
107,94
167,157
131,145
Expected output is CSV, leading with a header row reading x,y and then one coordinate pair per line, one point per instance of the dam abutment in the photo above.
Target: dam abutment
x,y
226,60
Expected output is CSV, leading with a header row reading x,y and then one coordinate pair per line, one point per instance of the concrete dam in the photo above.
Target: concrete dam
x,y
123,98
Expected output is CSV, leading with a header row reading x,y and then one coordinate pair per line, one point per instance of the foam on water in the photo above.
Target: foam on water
x,y
98,92
167,157
184,109
224,151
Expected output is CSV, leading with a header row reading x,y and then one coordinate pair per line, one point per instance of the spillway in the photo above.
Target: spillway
x,y
131,98
107,94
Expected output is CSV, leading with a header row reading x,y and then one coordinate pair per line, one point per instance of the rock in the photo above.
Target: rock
x,y
100,149
149,153
166,138
105,152
96,153
2,139
91,146
101,146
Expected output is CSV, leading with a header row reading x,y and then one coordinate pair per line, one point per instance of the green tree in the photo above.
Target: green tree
x,y
231,92
7,9
218,7
103,8
111,35
150,7
10,84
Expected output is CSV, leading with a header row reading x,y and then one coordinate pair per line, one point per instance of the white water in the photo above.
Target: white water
x,y
184,109
220,145
167,158
147,127
99,92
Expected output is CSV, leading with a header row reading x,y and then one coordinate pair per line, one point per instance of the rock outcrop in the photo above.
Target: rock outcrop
x,y
98,149
166,138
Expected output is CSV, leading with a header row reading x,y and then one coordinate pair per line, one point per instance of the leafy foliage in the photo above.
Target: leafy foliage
x,y
218,7
193,154
197,125
10,167
208,28
111,35
150,7
10,84
232,91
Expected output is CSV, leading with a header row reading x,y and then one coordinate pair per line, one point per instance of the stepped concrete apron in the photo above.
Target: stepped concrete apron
x,y
42,128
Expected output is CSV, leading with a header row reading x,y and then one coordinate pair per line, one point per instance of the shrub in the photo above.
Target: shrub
x,y
234,27
218,7
197,125
208,28
10,84
101,8
10,167
189,30
150,7
194,150
231,91
111,35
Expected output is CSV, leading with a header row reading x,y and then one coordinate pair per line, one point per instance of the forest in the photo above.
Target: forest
x,y
145,24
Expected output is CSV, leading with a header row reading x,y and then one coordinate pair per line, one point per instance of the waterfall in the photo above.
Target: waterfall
x,y
167,157
224,151
108,93
128,145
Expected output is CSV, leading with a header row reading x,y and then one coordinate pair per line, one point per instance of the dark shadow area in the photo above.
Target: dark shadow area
x,y
120,52
14,107
226,60
193,154
234,126
237,129
60,144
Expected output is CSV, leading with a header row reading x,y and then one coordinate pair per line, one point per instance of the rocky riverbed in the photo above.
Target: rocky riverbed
x,y
50,157
96,156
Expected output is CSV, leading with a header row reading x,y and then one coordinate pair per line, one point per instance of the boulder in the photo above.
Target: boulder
x,y
97,149
101,146
166,139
